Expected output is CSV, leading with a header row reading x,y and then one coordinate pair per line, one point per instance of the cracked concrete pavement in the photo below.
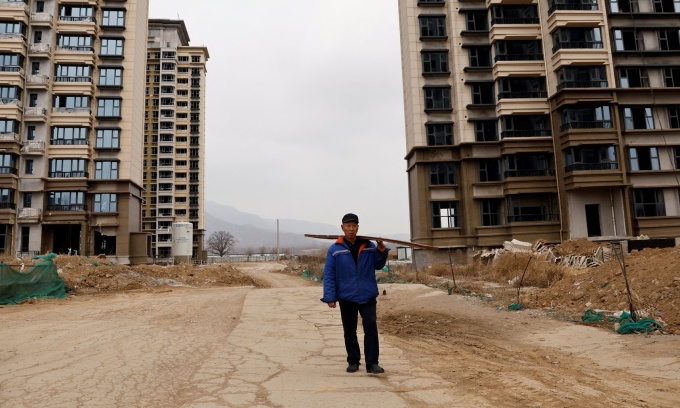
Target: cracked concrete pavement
x,y
215,347
288,351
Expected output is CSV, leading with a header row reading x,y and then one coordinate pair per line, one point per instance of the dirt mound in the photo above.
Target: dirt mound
x,y
92,275
576,247
653,276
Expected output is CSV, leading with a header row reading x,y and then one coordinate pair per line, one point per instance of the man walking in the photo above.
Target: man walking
x,y
349,279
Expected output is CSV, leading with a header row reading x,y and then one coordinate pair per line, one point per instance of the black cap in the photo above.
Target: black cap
x,y
350,218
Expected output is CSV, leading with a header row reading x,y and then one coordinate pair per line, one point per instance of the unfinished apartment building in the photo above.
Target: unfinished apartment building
x,y
71,115
174,136
541,119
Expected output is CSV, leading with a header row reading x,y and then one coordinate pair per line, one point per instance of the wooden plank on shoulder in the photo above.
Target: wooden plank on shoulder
x,y
371,238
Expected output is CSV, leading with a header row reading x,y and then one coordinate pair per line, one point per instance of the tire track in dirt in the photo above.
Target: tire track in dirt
x,y
513,359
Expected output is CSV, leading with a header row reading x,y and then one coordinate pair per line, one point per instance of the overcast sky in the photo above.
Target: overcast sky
x,y
304,111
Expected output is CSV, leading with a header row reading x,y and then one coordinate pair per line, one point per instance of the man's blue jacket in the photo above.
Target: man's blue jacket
x,y
343,279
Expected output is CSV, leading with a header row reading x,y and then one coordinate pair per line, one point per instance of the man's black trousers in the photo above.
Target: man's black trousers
x,y
349,312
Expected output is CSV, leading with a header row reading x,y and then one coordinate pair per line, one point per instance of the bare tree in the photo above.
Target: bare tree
x,y
221,243
263,250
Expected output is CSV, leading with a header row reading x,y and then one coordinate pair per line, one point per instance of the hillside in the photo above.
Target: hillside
x,y
253,231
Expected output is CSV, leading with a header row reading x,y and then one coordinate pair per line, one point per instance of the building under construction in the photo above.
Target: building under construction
x,y
548,119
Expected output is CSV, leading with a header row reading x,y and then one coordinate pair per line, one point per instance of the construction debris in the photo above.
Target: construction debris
x,y
551,253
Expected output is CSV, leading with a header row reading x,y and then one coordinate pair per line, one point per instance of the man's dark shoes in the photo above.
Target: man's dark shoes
x,y
374,369
352,368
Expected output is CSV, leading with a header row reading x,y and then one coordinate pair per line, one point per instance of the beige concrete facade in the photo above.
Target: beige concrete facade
x,y
174,137
541,119
72,78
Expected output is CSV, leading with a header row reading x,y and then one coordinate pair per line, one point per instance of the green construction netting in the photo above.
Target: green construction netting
x,y
41,281
627,325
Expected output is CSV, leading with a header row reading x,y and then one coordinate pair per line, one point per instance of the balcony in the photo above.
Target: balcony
x,y
9,136
68,174
533,217
9,101
580,45
66,207
526,133
10,108
40,50
37,82
595,124
33,147
518,57
81,85
72,54
13,43
81,2
77,25
523,94
29,215
582,84
42,19
584,6
591,166
576,17
514,20
529,173
13,10
11,74
35,113
72,116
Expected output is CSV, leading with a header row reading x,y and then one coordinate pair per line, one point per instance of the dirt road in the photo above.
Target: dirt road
x,y
280,347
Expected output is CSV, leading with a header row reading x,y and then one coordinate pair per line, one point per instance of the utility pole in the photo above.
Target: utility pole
x,y
277,239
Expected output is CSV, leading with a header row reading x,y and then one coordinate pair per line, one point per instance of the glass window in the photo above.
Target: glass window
x,y
442,173
113,18
108,108
490,170
649,202
75,42
106,203
483,94
105,170
476,21
432,26
8,126
64,168
486,130
439,134
7,164
644,158
69,135
492,212
66,200
73,73
76,13
11,28
111,47
108,139
638,117
110,76
437,98
444,214
67,101
435,62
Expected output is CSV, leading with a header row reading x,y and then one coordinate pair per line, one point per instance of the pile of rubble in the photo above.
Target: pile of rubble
x,y
595,255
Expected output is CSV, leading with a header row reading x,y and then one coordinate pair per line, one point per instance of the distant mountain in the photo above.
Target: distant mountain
x,y
253,231
249,236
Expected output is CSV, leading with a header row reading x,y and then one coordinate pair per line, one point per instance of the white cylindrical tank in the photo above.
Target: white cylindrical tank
x,y
182,241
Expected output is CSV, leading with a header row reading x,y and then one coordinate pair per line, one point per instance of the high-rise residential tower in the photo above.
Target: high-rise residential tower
x,y
71,116
174,136
541,119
